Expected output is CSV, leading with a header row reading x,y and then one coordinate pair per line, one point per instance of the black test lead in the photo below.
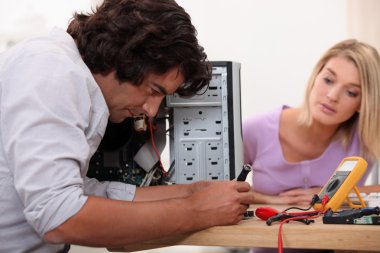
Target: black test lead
x,y
244,173
242,177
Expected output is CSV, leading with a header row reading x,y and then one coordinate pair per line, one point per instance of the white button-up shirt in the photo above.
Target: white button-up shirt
x,y
52,118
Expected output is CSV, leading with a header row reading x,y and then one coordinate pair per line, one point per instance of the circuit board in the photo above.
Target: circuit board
x,y
113,160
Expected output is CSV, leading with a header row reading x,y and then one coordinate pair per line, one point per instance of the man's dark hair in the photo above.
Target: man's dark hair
x,y
134,37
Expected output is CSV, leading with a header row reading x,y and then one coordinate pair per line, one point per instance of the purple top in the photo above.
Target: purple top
x,y
272,174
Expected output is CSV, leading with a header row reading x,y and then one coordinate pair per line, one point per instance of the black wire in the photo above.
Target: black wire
x,y
313,201
297,208
170,171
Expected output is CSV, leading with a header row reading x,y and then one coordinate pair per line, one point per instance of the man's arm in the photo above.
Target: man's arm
x,y
162,192
106,223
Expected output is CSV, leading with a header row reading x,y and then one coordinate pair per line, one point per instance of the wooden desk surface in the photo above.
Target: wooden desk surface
x,y
255,233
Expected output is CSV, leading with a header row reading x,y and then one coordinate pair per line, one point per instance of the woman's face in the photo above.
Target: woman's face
x,y
336,94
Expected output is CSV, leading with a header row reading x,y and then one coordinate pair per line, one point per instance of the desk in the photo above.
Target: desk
x,y
255,233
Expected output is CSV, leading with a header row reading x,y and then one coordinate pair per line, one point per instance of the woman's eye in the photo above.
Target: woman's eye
x,y
352,94
327,80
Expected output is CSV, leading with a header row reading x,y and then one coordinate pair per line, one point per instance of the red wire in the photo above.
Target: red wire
x,y
309,212
290,219
325,199
155,149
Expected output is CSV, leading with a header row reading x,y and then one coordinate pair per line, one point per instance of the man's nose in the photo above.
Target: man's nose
x,y
151,106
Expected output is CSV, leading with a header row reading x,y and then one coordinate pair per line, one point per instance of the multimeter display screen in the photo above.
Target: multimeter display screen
x,y
348,165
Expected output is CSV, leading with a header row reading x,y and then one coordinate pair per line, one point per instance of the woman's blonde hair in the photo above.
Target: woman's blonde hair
x,y
367,61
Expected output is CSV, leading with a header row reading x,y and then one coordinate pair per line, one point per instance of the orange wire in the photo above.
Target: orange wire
x,y
155,149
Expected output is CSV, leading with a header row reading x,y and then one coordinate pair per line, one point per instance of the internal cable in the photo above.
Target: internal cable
x,y
155,149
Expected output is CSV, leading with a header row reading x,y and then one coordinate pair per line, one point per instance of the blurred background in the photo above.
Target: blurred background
x,y
277,43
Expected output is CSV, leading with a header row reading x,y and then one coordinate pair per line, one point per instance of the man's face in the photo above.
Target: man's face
x,y
126,100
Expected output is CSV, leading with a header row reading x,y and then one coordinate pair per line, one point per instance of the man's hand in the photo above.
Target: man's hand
x,y
221,202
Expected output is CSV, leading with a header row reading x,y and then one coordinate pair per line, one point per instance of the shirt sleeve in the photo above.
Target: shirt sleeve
x,y
112,190
45,114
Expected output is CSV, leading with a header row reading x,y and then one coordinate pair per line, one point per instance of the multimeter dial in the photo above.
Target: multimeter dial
x,y
332,185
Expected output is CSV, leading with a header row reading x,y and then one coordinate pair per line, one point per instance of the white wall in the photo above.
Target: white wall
x,y
364,21
20,19
277,42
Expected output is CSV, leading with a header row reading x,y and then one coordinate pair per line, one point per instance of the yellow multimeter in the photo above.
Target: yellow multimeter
x,y
341,183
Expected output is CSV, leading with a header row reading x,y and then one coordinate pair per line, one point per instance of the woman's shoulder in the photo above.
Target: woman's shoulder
x,y
263,125
264,119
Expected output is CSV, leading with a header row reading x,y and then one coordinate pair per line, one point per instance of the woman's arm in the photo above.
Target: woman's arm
x,y
369,188
297,196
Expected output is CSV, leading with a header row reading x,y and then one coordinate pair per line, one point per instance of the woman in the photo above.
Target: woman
x,y
294,151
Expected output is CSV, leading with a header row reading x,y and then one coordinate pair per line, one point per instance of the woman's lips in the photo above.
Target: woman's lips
x,y
327,109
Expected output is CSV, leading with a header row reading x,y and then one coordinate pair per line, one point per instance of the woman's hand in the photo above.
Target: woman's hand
x,y
297,196
300,196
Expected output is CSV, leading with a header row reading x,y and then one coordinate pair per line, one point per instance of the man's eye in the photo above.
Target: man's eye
x,y
155,91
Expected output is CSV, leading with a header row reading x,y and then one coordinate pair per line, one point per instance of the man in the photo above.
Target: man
x,y
57,94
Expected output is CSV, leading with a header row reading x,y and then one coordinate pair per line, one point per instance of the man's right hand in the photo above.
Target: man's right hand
x,y
221,202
